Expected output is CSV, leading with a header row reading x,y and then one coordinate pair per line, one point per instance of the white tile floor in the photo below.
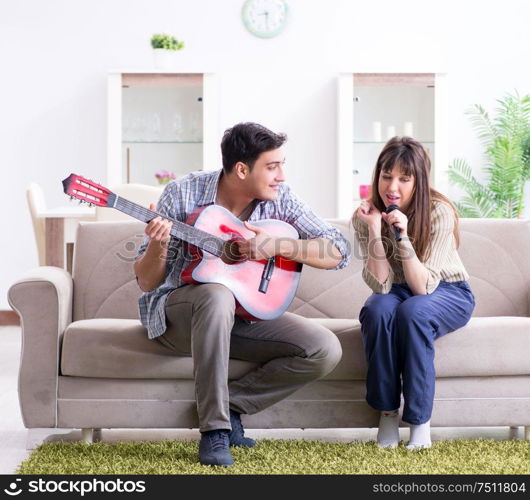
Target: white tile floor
x,y
13,435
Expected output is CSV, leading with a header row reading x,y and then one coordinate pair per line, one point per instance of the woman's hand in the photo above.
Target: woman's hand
x,y
397,219
369,214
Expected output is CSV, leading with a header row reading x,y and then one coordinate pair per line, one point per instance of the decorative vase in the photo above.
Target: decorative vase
x,y
365,191
163,58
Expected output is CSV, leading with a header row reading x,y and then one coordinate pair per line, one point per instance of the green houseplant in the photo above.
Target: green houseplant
x,y
164,46
167,42
506,139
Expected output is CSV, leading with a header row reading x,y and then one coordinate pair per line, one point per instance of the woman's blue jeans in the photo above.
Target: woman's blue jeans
x,y
399,330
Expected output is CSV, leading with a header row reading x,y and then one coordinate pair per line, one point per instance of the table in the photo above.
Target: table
x,y
54,231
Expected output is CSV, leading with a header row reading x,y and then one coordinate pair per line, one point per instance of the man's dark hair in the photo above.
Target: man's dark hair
x,y
244,142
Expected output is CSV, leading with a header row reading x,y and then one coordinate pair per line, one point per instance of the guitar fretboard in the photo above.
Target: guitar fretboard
x,y
201,239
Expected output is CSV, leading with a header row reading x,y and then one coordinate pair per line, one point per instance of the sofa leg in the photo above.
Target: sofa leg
x,y
87,435
90,435
527,432
514,432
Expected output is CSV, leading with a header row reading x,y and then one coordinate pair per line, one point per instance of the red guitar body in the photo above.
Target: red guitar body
x,y
243,278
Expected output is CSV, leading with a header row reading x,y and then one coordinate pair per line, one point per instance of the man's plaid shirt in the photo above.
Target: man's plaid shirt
x,y
183,196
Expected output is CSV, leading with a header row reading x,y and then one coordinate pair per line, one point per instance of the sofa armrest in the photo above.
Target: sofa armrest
x,y
43,300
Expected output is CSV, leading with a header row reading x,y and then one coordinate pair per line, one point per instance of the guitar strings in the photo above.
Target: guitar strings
x,y
191,232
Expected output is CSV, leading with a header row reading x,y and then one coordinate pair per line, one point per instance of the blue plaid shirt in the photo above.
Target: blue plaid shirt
x,y
183,196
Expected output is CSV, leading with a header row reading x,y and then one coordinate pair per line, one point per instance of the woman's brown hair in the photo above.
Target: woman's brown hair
x,y
413,161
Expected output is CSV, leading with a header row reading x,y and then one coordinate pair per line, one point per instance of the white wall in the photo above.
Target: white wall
x,y
55,55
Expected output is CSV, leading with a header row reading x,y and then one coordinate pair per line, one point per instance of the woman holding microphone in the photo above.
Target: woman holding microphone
x,y
408,234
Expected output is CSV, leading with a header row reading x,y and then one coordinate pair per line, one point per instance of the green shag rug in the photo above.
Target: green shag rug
x,y
281,457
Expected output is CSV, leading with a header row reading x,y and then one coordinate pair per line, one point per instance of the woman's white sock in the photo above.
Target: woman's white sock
x,y
420,436
388,434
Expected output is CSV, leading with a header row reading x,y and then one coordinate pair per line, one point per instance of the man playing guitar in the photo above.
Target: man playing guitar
x,y
201,319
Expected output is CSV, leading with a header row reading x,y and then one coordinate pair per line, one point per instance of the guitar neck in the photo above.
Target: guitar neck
x,y
180,230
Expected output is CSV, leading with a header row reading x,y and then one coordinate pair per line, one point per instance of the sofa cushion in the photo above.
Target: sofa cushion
x,y
485,347
104,281
113,348
333,293
495,254
119,348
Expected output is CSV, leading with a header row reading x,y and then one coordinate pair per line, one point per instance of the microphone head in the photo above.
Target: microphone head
x,y
390,208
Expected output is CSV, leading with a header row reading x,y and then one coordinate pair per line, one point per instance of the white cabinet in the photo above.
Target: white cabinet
x,y
372,108
160,121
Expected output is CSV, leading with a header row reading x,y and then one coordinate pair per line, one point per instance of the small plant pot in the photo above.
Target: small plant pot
x,y
163,58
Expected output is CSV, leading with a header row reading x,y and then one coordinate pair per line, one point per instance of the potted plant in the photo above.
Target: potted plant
x,y
507,162
164,46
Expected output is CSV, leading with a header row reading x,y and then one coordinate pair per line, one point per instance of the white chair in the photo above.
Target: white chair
x,y
37,205
39,211
142,194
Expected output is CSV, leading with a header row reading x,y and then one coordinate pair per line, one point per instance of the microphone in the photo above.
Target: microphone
x,y
397,231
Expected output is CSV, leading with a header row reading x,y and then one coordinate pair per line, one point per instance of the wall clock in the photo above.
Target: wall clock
x,y
265,18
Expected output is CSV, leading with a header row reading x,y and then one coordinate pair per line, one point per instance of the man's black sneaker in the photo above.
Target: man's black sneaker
x,y
214,448
237,436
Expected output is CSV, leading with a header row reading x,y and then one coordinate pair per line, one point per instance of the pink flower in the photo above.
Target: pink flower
x,y
165,176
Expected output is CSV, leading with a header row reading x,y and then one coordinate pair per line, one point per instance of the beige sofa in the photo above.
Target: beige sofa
x,y
87,363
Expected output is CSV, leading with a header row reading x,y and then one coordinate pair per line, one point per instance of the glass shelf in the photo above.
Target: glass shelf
x,y
161,142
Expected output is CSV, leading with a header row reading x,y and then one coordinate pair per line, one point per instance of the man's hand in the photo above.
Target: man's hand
x,y
263,246
158,229
150,268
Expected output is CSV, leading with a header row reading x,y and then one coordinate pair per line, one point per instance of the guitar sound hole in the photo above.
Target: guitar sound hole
x,y
231,253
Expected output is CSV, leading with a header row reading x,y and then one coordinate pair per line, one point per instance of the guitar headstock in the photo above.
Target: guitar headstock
x,y
87,191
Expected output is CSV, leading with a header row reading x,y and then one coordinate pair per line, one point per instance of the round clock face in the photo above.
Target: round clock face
x,y
265,18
